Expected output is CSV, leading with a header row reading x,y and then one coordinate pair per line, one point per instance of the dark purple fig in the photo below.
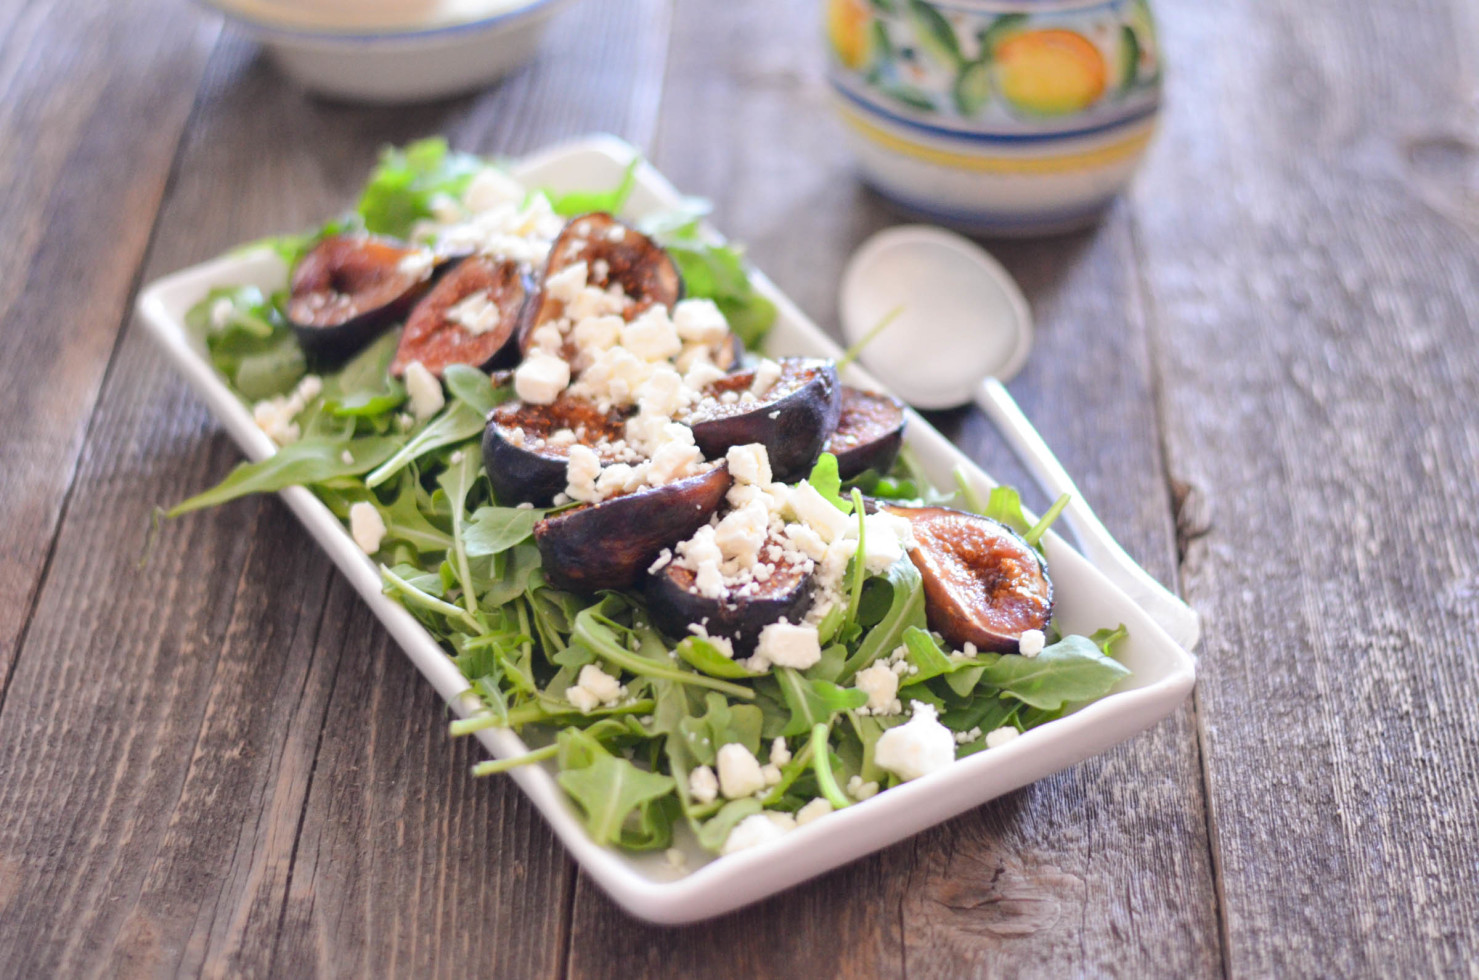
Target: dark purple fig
x,y
792,418
870,430
611,544
349,288
525,458
675,602
469,317
983,584
614,254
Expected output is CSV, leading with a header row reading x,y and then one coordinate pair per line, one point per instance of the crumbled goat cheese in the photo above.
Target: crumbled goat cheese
x,y
651,336
767,373
772,774
275,416
739,772
758,828
476,313
593,688
860,790
597,334
1001,736
581,474
418,263
425,391
703,785
347,458
741,534
961,738
567,283
880,683
918,747
750,464
1030,644
785,645
222,310
814,810
490,188
815,511
780,752
366,526
700,321
540,378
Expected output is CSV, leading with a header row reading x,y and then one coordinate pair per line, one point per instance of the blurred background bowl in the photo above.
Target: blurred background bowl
x,y
394,50
998,117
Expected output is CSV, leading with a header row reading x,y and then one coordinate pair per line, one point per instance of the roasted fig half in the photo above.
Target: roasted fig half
x,y
870,430
471,316
614,254
611,544
982,583
675,602
792,418
526,448
349,288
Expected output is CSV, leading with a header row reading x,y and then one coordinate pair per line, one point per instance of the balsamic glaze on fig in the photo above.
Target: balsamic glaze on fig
x,y
674,603
611,544
983,584
432,335
870,430
524,465
613,254
793,418
349,288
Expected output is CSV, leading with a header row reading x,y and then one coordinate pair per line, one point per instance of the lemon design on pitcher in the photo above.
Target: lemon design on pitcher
x,y
1049,71
848,23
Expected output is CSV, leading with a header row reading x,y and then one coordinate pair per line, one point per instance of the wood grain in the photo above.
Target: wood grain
x,y
1105,867
85,91
229,708
1314,322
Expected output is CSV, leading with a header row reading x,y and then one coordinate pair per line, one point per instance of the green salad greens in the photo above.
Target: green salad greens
x,y
464,563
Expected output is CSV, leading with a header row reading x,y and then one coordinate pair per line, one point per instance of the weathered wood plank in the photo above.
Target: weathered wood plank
x,y
1314,320
229,707
1102,868
85,89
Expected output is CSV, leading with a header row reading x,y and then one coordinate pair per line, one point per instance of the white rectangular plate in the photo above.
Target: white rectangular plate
x,y
647,885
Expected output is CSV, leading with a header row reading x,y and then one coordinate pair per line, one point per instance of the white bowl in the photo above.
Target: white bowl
x,y
368,64
645,884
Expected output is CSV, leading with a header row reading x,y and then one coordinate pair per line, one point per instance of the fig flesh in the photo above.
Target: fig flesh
x,y
471,316
526,448
610,545
674,601
792,418
870,430
983,584
614,254
349,288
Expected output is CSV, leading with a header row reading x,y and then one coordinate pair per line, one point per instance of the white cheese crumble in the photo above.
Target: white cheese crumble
x,y
767,373
594,688
366,526
881,684
566,284
815,511
860,790
780,752
814,810
540,378
758,828
581,475
425,391
476,313
651,336
347,458
700,321
703,785
750,464
276,415
418,264
785,645
1001,736
918,747
739,772
1031,643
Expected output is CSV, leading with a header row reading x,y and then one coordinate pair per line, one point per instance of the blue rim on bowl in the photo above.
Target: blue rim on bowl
x,y
270,30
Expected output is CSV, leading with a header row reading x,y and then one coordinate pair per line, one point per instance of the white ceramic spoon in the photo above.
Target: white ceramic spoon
x,y
962,329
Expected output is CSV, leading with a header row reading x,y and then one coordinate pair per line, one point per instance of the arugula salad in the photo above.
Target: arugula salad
x,y
712,587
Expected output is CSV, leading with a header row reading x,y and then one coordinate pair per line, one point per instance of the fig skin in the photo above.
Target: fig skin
x,y
788,592
645,271
611,544
350,288
437,341
869,433
793,419
536,470
983,584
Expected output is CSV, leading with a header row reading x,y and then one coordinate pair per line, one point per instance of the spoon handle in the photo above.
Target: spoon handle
x,y
1169,611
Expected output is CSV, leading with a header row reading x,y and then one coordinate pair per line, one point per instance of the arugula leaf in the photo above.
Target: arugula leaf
x,y
606,787
401,189
307,461
926,657
825,481
813,703
468,384
457,423
721,724
248,341
291,248
717,272
704,656
494,530
364,387
575,203
1071,670
715,831
906,609
457,481
405,521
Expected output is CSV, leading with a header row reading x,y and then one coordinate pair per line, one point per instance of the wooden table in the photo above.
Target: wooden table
x,y
1262,367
